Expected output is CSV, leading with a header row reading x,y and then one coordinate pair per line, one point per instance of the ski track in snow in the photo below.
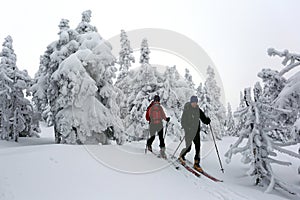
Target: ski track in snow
x,y
214,188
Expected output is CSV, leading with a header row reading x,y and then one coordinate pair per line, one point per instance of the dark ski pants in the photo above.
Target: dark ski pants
x,y
188,143
152,137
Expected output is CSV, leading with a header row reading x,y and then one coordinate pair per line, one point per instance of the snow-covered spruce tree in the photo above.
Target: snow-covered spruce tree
x,y
5,89
210,103
289,96
229,122
259,151
80,60
205,105
273,85
241,120
44,92
17,112
5,95
125,60
145,51
174,93
199,92
125,54
145,82
84,26
189,78
95,54
47,116
81,118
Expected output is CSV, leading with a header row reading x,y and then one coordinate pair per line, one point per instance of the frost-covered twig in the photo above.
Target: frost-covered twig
x,y
291,60
293,154
271,160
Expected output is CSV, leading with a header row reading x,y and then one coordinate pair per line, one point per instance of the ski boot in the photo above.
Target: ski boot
x,y
149,148
182,160
197,166
163,152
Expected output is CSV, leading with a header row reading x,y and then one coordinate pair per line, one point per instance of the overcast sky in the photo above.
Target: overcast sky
x,y
234,33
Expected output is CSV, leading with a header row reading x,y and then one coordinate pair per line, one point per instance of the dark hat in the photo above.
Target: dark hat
x,y
156,98
194,99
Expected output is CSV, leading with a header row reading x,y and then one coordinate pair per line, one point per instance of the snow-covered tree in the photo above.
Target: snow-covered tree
x,y
199,91
81,117
95,54
240,120
229,122
125,60
125,54
189,78
43,90
211,104
145,82
16,110
174,93
260,150
47,116
145,51
75,80
273,84
288,96
84,26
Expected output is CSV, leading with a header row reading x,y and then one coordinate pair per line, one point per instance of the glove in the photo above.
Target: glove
x,y
168,119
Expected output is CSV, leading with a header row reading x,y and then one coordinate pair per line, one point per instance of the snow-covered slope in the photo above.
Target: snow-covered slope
x,y
37,169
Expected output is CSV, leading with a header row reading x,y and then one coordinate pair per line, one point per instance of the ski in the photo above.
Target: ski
x,y
205,173
159,155
188,168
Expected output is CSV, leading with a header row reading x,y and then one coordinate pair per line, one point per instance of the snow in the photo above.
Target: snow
x,y
36,168
292,87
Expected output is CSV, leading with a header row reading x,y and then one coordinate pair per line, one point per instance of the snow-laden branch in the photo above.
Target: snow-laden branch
x,y
281,110
240,112
282,150
291,60
279,162
285,144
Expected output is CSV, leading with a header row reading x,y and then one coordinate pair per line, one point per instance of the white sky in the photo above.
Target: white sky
x,y
234,33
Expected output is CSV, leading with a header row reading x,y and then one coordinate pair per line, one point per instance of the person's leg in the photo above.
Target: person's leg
x,y
188,144
161,138
197,146
197,151
150,140
152,136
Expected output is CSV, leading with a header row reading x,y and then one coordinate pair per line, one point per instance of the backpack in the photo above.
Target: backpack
x,y
148,111
155,114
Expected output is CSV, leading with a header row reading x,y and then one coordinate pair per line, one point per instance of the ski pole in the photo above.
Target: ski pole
x,y
216,148
166,130
178,147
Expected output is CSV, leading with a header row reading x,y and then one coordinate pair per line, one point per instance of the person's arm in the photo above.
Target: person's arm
x,y
204,118
183,117
163,113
